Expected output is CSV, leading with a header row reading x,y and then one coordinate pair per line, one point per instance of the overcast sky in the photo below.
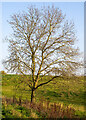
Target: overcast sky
x,y
74,11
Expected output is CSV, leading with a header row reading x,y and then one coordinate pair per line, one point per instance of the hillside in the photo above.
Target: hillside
x,y
67,92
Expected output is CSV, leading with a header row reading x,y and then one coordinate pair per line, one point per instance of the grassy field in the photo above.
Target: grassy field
x,y
64,92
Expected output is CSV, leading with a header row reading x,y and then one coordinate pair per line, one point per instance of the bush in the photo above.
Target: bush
x,y
3,72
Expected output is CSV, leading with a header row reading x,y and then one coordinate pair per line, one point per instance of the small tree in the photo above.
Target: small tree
x,y
42,44
3,72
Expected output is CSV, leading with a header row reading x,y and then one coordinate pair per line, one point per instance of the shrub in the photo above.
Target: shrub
x,y
3,72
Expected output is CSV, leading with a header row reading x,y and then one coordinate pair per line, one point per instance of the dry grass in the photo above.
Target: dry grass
x,y
44,108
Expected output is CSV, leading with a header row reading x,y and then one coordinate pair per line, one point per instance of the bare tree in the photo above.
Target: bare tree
x,y
42,43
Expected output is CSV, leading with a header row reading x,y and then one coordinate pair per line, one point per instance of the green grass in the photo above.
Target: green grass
x,y
67,91
15,111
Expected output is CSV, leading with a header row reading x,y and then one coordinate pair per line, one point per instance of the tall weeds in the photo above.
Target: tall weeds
x,y
44,108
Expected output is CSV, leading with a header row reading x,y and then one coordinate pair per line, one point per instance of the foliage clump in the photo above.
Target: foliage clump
x,y
3,72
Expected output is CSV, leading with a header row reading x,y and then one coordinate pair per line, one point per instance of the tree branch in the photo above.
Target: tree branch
x,y
46,82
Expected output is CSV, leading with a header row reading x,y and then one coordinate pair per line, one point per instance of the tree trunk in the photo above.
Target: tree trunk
x,y
20,102
32,95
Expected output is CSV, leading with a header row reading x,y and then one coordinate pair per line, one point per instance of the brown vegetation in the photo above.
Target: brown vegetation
x,y
45,108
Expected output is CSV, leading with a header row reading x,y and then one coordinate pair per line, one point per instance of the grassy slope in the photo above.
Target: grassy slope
x,y
67,91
